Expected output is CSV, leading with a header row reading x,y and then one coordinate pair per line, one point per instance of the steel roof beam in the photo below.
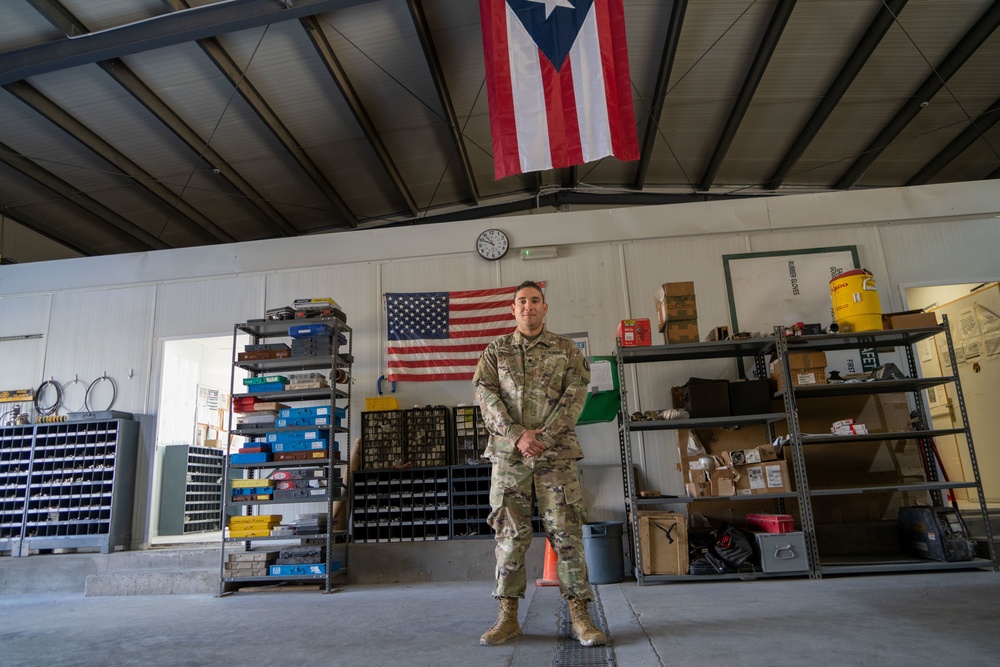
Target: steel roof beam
x,y
660,91
975,130
222,60
158,32
25,220
855,62
184,212
437,74
940,75
774,29
68,23
59,16
560,198
337,73
88,206
127,78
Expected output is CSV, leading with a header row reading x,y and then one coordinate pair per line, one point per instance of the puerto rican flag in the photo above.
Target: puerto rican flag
x,y
558,83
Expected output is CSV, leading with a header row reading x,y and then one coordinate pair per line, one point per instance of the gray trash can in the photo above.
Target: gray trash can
x,y
602,549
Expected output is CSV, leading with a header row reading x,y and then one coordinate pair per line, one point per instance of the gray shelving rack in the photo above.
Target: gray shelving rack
x,y
336,395
67,485
729,349
759,349
191,490
923,434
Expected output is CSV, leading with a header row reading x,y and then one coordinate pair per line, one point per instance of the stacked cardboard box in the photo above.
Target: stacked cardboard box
x,y
677,312
807,367
250,563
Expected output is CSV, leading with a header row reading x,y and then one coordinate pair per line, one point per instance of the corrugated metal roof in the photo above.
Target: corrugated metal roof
x,y
339,122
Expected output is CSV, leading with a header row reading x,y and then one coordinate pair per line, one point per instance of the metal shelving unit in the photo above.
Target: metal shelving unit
x,y
334,465
913,385
793,398
757,348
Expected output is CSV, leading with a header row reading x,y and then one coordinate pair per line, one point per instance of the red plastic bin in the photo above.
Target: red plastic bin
x,y
772,523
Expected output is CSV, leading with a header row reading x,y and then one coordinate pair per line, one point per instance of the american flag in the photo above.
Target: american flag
x,y
557,81
435,336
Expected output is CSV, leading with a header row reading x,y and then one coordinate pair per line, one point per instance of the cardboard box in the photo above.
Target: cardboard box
x,y
768,477
634,333
663,542
807,367
908,319
741,457
675,301
718,333
684,331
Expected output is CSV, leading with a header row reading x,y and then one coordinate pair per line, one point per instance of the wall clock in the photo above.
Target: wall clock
x,y
492,244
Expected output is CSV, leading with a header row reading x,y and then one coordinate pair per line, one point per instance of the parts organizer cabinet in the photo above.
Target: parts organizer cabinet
x,y
191,490
419,437
333,467
67,485
729,349
923,489
420,504
408,505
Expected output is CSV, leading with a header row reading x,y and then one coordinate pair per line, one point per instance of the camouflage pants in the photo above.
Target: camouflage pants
x,y
560,504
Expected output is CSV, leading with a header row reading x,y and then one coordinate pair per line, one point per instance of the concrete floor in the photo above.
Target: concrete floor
x,y
908,619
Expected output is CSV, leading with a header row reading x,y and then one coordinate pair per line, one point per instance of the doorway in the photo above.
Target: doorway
x,y
973,311
193,412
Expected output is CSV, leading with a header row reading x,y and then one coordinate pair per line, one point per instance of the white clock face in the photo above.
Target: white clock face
x,y
492,244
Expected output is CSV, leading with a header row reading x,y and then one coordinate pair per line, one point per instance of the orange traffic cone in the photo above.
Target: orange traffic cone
x,y
549,575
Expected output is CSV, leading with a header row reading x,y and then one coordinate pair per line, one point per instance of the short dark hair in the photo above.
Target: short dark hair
x,y
532,284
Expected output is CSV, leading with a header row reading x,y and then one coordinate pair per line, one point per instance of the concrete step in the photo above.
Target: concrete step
x,y
195,570
153,582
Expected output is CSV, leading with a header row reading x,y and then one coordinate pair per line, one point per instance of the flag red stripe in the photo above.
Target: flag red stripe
x,y
479,333
432,363
499,91
507,317
496,291
560,111
483,305
617,86
432,349
430,377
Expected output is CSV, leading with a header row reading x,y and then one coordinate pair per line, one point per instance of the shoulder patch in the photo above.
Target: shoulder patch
x,y
586,363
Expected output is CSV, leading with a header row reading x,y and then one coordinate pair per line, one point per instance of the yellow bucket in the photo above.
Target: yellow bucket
x,y
855,301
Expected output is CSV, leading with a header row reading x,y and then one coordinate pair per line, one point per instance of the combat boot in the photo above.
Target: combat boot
x,y
506,627
583,627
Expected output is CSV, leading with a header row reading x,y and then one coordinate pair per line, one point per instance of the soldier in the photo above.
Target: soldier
x,y
531,386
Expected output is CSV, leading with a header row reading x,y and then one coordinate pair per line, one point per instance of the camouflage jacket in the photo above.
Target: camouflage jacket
x,y
521,385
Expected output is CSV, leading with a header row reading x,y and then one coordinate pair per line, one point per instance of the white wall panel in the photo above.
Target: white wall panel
x,y
103,332
21,360
207,307
942,252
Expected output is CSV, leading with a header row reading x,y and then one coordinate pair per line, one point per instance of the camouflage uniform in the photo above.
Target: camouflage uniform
x,y
522,385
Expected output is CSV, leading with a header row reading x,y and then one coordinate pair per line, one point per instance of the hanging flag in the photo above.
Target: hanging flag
x,y
558,84
435,336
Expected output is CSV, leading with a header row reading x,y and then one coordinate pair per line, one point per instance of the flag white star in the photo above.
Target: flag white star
x,y
550,5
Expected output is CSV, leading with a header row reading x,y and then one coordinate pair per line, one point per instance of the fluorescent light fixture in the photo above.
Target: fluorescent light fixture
x,y
544,252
